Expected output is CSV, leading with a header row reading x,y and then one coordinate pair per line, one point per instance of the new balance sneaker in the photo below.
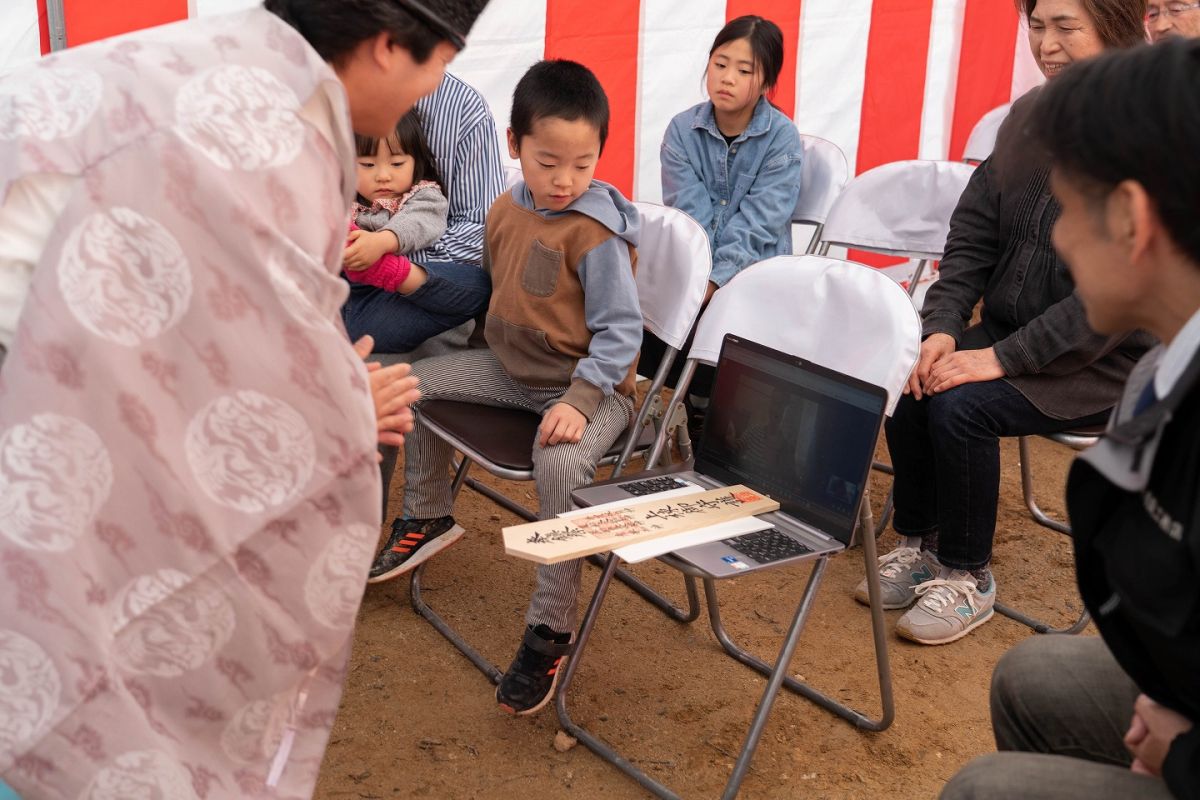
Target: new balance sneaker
x,y
900,573
412,542
529,683
950,607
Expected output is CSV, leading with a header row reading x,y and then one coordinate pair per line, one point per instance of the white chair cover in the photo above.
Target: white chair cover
x,y
824,172
512,175
674,261
841,315
982,140
901,209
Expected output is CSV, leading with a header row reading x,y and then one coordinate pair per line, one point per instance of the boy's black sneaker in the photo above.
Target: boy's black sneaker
x,y
412,542
529,683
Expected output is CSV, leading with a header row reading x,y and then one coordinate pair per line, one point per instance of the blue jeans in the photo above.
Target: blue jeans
x,y
946,453
453,294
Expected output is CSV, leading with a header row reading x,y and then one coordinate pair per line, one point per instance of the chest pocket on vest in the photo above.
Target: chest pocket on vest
x,y
542,265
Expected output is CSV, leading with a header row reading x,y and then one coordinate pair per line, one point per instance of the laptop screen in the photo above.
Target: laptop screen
x,y
801,433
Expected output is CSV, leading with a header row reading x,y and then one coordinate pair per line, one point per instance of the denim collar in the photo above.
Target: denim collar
x,y
760,121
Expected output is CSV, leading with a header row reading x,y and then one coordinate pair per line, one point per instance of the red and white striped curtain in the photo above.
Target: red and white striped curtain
x,y
884,79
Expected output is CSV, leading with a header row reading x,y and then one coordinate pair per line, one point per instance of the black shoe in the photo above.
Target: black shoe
x,y
412,542
529,683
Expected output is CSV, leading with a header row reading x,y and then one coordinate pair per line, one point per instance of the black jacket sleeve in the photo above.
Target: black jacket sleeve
x,y
1181,770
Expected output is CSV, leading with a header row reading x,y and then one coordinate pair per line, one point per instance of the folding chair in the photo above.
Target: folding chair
x,y
674,261
512,175
982,140
855,320
898,209
1077,441
824,173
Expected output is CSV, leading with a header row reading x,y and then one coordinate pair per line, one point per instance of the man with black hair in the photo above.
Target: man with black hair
x,y
1116,716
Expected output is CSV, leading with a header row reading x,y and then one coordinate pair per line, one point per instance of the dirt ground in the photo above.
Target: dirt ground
x,y
417,719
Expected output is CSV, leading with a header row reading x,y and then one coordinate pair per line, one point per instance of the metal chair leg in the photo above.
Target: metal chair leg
x,y
777,675
490,670
879,634
1043,519
500,499
1039,516
916,277
866,519
885,516
656,599
1042,627
590,740
774,681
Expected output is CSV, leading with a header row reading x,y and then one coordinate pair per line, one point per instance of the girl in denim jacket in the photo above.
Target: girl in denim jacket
x,y
733,162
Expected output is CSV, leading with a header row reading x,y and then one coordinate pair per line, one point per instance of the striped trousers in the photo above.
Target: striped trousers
x,y
476,376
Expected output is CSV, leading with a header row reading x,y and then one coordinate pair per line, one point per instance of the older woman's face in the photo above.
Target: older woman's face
x,y
1061,32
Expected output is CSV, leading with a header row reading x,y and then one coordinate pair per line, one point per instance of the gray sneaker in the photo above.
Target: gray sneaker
x,y
900,573
950,607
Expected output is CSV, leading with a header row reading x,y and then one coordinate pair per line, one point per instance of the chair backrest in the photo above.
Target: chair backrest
x,y
839,314
900,209
824,172
982,140
674,262
512,174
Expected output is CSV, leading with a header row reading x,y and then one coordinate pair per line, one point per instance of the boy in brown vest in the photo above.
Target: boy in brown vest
x,y
564,329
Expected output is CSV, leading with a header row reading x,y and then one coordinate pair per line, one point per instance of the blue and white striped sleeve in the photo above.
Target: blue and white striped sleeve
x,y
477,184
462,134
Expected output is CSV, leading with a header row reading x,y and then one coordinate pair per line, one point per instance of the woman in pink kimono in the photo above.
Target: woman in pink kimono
x,y
189,498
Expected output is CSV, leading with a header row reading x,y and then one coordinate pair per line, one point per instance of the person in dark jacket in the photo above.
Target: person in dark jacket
x,y
1116,716
1030,366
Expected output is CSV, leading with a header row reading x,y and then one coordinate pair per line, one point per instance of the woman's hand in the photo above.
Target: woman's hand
x,y
394,390
1151,732
364,248
562,423
936,347
964,366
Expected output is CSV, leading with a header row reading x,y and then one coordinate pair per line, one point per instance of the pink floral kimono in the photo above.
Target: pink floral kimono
x,y
189,499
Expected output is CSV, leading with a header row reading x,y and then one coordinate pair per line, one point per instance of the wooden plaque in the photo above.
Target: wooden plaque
x,y
553,540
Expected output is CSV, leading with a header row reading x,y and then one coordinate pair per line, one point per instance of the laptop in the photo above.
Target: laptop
x,y
801,433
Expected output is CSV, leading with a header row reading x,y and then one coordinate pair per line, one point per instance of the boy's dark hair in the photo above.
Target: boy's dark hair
x,y
408,138
562,89
1131,115
335,27
1120,23
766,43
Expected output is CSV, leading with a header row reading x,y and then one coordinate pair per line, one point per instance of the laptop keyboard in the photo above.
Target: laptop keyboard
x,y
654,485
767,546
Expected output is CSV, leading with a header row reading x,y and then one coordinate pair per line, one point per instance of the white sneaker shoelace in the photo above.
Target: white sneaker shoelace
x,y
898,561
939,593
